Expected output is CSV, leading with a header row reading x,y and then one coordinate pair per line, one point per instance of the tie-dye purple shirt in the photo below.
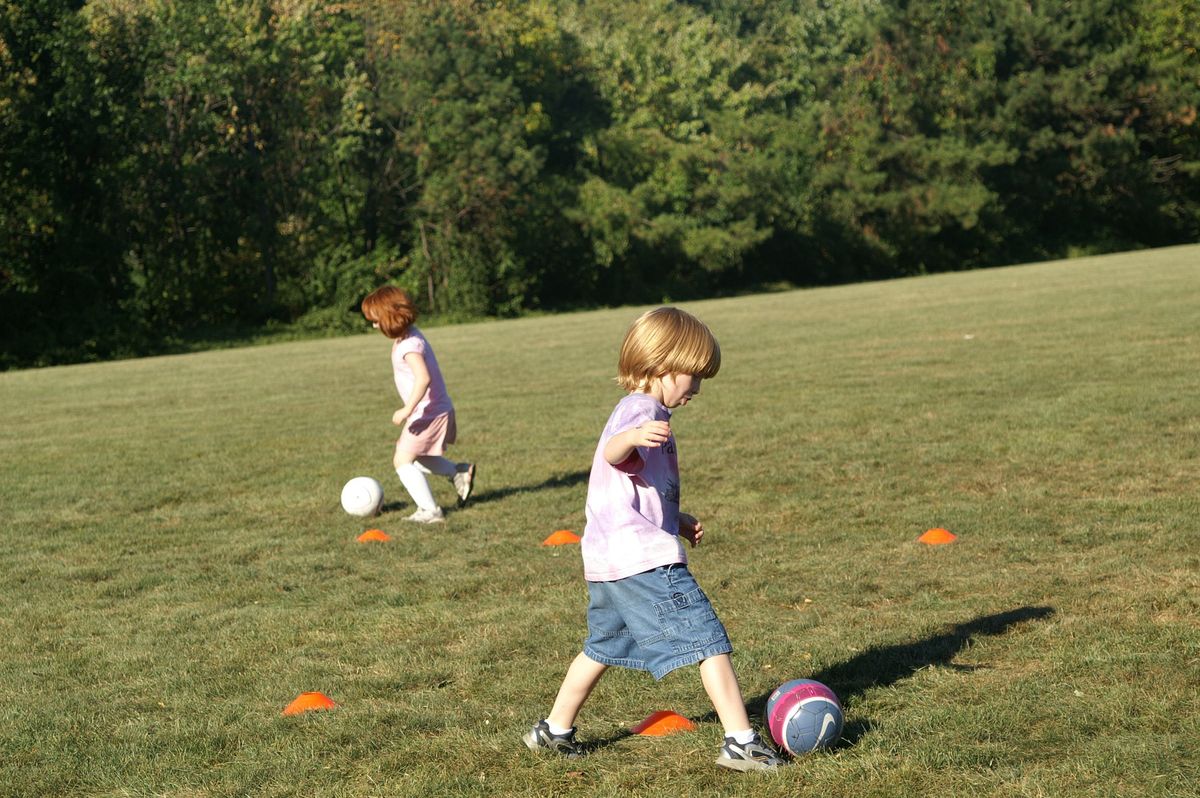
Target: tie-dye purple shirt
x,y
632,509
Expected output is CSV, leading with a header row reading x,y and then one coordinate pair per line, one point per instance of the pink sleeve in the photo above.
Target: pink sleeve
x,y
634,462
412,343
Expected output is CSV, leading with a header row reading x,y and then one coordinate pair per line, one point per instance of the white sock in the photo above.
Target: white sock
x,y
557,732
436,464
741,737
415,483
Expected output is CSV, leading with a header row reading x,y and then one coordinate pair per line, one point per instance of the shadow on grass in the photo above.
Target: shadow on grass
x,y
588,746
560,481
885,665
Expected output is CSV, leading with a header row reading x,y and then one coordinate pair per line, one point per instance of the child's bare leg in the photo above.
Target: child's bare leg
x,y
401,458
743,749
721,684
577,685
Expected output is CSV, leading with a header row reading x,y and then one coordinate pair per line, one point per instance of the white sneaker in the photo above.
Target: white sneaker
x,y
754,755
463,482
433,516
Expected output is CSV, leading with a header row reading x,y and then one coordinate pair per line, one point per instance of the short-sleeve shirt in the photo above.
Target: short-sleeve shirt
x,y
632,509
436,400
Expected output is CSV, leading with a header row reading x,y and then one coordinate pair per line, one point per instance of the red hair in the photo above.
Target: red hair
x,y
391,308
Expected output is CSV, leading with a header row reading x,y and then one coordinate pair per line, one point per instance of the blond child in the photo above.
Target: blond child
x,y
645,609
427,417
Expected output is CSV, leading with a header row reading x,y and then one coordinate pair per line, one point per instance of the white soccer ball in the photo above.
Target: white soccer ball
x,y
362,496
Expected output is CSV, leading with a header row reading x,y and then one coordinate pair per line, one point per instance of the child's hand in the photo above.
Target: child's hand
x,y
400,416
651,434
690,529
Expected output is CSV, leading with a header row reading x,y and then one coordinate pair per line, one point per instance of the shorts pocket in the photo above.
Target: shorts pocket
x,y
689,622
680,603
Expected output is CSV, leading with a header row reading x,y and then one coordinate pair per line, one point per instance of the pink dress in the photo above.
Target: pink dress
x,y
430,426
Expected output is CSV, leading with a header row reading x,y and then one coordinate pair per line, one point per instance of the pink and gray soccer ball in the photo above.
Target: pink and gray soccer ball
x,y
362,496
804,715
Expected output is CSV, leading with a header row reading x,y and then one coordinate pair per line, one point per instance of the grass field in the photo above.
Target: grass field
x,y
176,567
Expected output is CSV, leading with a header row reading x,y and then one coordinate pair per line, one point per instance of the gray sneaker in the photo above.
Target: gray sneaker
x,y
463,482
754,755
539,738
433,516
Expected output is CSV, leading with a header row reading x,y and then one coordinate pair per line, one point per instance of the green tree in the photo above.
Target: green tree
x,y
227,207
678,186
167,167
63,127
902,181
964,133
1096,101
563,109
457,127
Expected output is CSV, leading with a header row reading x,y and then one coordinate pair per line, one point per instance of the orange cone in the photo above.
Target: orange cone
x,y
307,702
937,536
374,534
662,723
561,537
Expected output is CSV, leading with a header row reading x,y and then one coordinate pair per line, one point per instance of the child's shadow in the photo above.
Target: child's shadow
x,y
550,483
883,666
588,746
886,665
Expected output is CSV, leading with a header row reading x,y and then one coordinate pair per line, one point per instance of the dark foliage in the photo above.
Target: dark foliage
x,y
170,169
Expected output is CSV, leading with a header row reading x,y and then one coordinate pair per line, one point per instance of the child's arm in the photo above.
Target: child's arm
x,y
416,362
623,445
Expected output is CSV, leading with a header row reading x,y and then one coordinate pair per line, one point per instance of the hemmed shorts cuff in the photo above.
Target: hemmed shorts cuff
x,y
691,658
632,664
682,661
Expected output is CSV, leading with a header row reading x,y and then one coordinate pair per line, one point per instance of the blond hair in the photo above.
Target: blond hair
x,y
391,308
666,341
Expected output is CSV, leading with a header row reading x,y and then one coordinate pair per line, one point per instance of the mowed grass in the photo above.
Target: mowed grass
x,y
176,567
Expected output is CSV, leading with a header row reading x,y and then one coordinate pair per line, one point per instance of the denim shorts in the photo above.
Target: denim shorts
x,y
655,621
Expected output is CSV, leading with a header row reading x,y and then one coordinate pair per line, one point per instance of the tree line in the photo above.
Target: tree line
x,y
168,168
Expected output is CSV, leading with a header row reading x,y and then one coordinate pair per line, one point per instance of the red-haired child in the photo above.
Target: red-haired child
x,y
427,417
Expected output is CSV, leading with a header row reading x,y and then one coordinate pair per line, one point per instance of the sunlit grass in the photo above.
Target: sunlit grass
x,y
177,569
